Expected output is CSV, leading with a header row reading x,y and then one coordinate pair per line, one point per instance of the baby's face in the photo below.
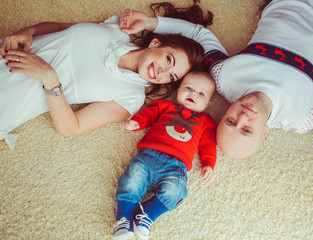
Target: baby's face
x,y
196,91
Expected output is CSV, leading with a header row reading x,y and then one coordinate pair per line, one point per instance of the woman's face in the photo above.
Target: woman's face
x,y
161,65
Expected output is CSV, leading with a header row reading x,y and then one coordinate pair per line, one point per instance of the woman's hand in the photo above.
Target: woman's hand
x,y
33,66
130,125
132,22
20,40
23,39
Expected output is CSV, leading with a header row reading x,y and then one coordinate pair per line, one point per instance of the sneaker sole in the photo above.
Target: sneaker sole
x,y
139,234
127,236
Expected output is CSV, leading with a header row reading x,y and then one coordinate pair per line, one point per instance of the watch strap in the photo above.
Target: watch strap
x,y
57,91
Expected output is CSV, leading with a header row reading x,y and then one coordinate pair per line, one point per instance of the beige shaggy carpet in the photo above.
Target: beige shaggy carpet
x,y
63,188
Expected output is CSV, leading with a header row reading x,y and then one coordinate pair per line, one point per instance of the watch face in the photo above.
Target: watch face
x,y
57,91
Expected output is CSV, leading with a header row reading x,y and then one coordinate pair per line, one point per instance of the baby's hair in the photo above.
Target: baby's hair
x,y
204,73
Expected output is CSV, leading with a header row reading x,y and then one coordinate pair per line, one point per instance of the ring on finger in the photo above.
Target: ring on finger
x,y
18,59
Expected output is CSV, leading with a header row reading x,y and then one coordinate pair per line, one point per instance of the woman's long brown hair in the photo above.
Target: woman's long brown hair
x,y
193,49
192,14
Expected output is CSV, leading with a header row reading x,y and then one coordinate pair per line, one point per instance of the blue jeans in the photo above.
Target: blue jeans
x,y
152,170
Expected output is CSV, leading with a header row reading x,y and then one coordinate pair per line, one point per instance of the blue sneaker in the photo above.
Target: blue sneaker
x,y
142,225
122,230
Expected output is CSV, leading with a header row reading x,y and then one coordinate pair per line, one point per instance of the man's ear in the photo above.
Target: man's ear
x,y
154,43
265,134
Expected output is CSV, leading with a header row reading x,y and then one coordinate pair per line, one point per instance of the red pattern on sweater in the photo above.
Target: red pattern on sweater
x,y
174,139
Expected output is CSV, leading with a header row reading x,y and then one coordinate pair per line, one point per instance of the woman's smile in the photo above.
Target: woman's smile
x,y
151,71
161,65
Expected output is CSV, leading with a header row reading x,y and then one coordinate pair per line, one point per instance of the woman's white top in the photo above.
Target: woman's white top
x,y
85,57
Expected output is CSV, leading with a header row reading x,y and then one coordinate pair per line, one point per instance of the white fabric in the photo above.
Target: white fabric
x,y
197,32
85,57
284,23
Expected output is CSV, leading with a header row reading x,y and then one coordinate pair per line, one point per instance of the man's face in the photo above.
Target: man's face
x,y
243,128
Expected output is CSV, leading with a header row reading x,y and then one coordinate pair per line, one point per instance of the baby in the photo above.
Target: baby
x,y
165,154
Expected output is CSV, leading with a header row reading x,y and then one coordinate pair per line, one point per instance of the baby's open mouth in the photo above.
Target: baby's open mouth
x,y
190,100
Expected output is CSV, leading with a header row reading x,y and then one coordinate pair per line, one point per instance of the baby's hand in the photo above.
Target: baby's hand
x,y
130,125
207,174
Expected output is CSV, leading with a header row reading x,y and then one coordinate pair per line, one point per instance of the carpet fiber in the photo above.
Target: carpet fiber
x,y
63,188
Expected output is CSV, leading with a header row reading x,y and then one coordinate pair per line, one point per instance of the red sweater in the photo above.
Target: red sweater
x,y
178,131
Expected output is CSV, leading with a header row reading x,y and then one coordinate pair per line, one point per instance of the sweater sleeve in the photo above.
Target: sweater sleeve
x,y
197,32
147,116
207,146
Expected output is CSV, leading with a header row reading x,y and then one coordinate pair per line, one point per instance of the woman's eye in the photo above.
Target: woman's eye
x,y
201,94
188,88
169,60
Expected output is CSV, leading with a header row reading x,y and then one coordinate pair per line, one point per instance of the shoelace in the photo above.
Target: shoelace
x,y
144,220
122,223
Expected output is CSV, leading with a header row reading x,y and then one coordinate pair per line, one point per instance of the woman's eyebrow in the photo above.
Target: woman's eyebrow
x,y
173,59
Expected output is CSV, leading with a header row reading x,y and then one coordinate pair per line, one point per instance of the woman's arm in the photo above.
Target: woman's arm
x,y
67,122
23,38
133,22
46,27
197,32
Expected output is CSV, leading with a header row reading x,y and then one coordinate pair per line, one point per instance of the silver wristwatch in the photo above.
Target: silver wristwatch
x,y
57,91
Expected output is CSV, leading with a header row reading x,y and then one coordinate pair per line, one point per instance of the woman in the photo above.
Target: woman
x,y
84,63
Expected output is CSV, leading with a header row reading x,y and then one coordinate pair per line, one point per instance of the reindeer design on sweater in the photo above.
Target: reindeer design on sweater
x,y
180,128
